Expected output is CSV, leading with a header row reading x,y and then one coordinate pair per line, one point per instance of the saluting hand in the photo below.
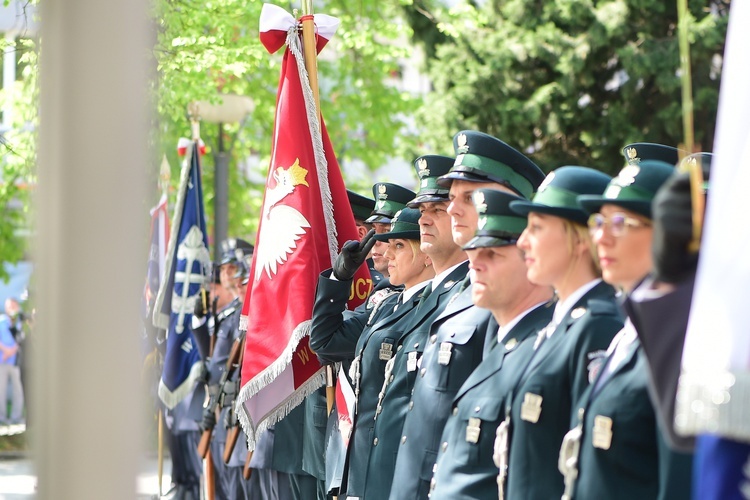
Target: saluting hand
x,y
353,254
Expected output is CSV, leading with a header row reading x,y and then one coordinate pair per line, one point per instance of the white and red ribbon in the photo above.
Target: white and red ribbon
x,y
275,23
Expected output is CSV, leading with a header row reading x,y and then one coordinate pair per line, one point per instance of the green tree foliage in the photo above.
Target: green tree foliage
x,y
207,48
18,146
571,81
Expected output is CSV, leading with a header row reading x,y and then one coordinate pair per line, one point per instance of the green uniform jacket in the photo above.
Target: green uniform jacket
x,y
630,459
372,337
555,379
459,333
390,420
465,469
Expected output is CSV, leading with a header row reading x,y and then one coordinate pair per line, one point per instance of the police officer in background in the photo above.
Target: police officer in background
x,y
458,335
226,331
465,466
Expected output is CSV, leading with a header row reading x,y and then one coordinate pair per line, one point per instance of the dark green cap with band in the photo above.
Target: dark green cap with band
x,y
483,158
404,225
705,162
642,151
389,199
633,189
498,225
559,192
429,168
361,205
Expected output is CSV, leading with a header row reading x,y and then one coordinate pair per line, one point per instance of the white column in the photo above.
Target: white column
x,y
91,248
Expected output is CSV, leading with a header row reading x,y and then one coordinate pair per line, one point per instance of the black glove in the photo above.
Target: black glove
x,y
673,230
209,420
352,255
200,304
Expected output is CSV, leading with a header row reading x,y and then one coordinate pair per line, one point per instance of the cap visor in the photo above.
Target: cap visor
x,y
576,215
426,198
382,219
488,242
403,235
446,180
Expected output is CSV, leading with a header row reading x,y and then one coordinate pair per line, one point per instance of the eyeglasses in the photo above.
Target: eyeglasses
x,y
619,223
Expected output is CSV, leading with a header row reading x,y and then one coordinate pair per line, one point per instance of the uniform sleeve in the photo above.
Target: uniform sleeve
x,y
333,337
675,470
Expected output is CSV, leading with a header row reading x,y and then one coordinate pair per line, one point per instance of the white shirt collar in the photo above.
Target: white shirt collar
x,y
411,291
562,308
438,279
503,331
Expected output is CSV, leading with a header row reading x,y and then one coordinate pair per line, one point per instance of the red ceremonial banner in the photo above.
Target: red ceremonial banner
x,y
305,219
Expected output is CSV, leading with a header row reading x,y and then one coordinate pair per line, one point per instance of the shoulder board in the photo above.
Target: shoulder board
x,y
226,312
599,307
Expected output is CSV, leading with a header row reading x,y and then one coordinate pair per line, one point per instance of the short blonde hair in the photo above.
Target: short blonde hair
x,y
576,233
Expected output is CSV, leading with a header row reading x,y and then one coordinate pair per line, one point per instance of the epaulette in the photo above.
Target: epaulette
x,y
226,312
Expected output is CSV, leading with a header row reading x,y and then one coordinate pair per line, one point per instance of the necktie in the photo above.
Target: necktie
x,y
426,293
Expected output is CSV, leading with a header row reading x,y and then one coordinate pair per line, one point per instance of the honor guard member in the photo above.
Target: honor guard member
x,y
558,252
390,199
226,328
450,265
458,335
660,305
615,449
316,406
465,467
368,337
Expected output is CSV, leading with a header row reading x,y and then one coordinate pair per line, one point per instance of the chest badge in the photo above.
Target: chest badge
x,y
444,355
472,430
531,408
602,435
411,361
386,351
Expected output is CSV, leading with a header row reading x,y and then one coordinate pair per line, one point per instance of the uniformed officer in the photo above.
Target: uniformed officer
x,y
390,199
458,335
465,467
558,252
660,305
615,449
229,481
369,337
450,265
316,407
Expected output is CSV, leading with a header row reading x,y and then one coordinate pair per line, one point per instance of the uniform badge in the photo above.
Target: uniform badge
x,y
444,355
509,345
577,312
602,435
473,430
411,361
596,361
386,351
531,408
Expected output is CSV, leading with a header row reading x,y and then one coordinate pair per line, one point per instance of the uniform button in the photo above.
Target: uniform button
x,y
375,442
422,371
403,439
390,379
399,348
455,410
416,345
433,339
445,446
411,405
476,410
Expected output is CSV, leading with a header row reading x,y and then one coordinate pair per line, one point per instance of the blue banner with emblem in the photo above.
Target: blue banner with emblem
x,y
186,270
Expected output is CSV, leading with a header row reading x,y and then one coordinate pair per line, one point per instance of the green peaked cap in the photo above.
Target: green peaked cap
x,y
361,205
633,189
429,168
483,158
498,225
404,225
641,151
389,199
559,192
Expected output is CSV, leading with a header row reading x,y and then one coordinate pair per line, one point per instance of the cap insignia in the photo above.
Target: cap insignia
x,y
482,222
422,166
479,203
462,143
381,203
395,218
632,156
546,182
381,188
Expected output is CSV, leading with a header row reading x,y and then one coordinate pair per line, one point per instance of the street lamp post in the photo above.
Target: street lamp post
x,y
232,109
